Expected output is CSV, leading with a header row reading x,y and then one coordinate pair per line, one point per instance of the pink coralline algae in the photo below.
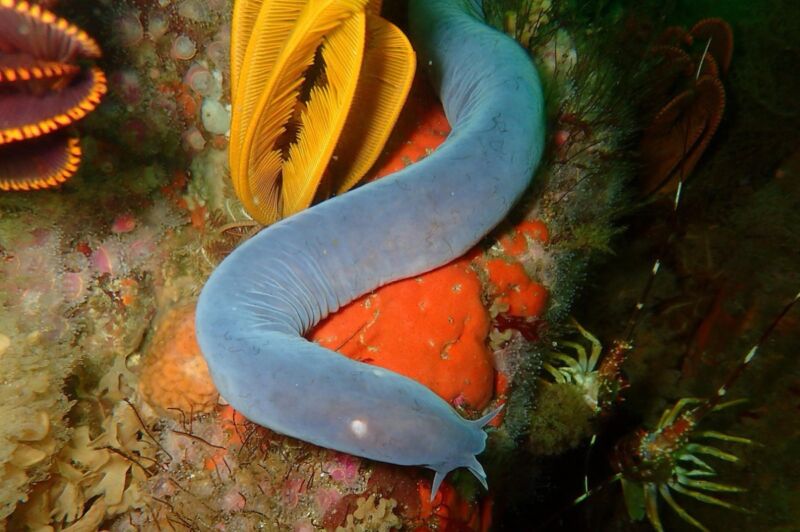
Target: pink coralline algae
x,y
343,468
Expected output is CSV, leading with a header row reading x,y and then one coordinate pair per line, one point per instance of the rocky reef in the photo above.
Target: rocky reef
x,y
110,420
123,426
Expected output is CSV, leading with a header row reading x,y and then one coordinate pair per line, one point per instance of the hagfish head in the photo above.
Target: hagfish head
x,y
472,443
402,422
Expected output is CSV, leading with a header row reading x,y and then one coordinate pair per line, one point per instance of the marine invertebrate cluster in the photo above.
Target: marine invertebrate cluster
x,y
370,515
166,113
673,457
42,90
35,356
99,471
75,298
310,83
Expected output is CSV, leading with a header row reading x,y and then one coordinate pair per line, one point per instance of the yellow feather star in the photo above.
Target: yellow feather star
x,y
316,87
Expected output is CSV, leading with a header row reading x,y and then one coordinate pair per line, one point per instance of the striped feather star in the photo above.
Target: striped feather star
x,y
42,91
316,87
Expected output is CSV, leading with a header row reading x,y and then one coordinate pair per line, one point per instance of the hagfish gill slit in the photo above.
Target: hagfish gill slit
x,y
262,298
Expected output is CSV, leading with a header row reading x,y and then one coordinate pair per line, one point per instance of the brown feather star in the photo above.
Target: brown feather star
x,y
42,91
690,99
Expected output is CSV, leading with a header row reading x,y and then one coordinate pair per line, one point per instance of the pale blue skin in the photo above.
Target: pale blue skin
x,y
259,302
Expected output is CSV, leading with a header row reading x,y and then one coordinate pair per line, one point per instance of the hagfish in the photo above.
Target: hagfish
x,y
258,303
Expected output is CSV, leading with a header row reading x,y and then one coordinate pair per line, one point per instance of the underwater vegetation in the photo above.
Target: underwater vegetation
x,y
110,421
43,89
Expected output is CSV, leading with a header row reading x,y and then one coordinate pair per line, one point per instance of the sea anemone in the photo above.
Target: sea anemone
x,y
183,48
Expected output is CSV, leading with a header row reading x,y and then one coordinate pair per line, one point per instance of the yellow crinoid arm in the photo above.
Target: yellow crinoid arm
x,y
325,115
278,98
374,7
245,13
386,75
260,28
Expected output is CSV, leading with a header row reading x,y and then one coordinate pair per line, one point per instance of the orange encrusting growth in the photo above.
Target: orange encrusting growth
x,y
518,300
431,328
422,127
515,243
514,290
175,374
449,510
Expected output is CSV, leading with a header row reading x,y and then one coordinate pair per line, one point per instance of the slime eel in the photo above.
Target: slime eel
x,y
272,289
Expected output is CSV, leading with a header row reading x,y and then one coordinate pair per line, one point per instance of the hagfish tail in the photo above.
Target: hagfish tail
x,y
262,298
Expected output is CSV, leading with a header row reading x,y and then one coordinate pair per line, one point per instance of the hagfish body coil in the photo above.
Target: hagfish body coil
x,y
262,298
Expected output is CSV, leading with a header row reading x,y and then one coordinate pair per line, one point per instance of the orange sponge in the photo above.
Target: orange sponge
x,y
516,242
431,328
421,128
513,289
174,374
